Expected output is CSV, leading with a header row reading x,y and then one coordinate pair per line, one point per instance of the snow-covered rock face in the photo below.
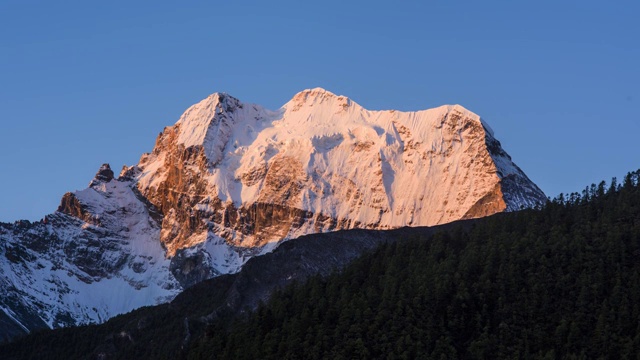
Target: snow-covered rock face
x,y
230,181
254,177
96,257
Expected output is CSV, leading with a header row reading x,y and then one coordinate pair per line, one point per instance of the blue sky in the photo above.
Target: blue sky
x,y
83,83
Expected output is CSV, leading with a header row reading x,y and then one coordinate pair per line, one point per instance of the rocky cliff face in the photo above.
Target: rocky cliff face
x,y
230,181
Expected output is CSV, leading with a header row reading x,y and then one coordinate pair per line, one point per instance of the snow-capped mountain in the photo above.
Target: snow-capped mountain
x,y
230,181
322,162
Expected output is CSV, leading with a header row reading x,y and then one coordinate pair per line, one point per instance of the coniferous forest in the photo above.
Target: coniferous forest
x,y
560,282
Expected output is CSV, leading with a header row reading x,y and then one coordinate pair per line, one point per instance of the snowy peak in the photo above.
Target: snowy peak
x,y
249,177
208,125
318,99
203,117
313,96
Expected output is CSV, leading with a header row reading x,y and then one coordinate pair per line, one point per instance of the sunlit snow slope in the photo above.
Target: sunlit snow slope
x,y
321,163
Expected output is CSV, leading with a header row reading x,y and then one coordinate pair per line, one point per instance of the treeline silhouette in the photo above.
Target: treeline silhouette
x,y
559,282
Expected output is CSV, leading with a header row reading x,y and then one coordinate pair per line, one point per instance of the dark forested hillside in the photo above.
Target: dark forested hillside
x,y
558,282
563,282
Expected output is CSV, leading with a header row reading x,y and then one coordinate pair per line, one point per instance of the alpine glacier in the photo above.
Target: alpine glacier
x,y
232,180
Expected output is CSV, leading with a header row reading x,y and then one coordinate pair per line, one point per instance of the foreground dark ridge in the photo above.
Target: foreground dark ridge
x,y
162,329
561,282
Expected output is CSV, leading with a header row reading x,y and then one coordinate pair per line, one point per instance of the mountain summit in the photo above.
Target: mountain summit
x,y
253,177
232,180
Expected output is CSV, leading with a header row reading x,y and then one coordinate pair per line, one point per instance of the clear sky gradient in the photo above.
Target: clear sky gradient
x,y
83,82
